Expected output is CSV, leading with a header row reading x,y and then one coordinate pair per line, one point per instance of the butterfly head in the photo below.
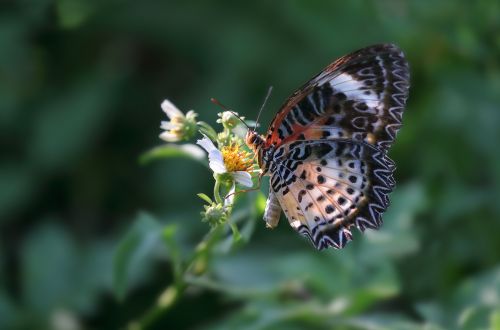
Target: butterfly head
x,y
255,142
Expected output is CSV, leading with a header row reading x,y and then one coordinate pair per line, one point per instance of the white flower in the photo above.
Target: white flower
x,y
231,159
180,127
231,121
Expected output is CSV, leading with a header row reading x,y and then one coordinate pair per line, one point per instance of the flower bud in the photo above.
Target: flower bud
x,y
180,127
214,214
229,120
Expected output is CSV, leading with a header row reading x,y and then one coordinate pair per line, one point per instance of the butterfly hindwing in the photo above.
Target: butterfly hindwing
x,y
361,96
325,187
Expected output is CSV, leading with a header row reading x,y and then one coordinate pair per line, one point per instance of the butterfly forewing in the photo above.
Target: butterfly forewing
x,y
326,149
360,96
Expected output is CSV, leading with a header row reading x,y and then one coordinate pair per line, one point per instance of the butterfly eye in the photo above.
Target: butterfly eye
x,y
250,139
253,140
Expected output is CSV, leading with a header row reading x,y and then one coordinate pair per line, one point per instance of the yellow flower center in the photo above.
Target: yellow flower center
x,y
177,120
236,159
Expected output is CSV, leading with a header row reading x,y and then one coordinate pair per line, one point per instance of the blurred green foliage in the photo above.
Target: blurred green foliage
x,y
81,84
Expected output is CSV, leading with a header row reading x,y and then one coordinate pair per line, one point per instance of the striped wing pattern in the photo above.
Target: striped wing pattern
x,y
326,186
327,147
360,96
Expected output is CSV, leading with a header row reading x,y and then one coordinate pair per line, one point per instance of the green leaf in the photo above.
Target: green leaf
x,y
205,198
495,319
260,202
474,317
397,237
190,151
473,305
207,130
477,299
431,311
388,322
17,188
134,252
168,235
57,271
82,106
263,270
48,250
73,13
8,311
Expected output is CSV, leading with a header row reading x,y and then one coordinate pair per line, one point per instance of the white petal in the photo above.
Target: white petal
x,y
206,144
215,159
243,178
169,137
240,131
216,162
229,200
193,150
191,115
166,125
170,109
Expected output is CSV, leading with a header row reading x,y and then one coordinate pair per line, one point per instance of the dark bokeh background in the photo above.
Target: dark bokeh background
x,y
80,87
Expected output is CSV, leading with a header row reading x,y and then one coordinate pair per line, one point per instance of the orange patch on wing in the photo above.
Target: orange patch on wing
x,y
313,134
310,134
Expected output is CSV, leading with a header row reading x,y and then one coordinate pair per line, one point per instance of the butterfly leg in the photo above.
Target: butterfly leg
x,y
272,211
234,193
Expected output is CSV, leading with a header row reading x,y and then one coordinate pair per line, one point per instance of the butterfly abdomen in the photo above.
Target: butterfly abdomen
x,y
273,211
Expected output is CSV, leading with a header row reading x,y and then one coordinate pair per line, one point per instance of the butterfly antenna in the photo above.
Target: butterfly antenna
x,y
216,102
262,107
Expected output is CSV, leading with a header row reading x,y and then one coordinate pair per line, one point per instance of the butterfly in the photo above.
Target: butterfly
x,y
326,149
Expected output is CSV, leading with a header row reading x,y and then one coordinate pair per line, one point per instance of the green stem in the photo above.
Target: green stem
x,y
165,301
236,232
217,197
172,293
